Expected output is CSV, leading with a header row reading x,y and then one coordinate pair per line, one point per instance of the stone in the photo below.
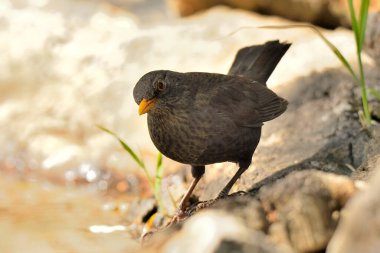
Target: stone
x,y
372,38
187,8
358,230
211,231
247,209
304,203
323,13
297,213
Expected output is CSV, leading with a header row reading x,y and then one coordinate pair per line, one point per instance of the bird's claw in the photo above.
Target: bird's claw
x,y
179,216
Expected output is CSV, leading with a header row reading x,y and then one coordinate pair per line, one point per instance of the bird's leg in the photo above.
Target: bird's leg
x,y
242,167
197,173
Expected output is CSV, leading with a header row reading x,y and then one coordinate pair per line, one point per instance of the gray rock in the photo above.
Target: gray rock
x,y
247,209
372,40
301,208
325,13
296,214
370,150
358,231
211,231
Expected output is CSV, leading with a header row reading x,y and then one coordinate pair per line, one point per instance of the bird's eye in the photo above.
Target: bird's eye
x,y
161,85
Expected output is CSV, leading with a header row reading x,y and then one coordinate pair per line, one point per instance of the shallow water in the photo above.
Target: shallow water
x,y
42,217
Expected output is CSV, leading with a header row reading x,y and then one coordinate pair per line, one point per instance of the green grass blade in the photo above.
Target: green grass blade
x,y
375,94
363,22
159,173
157,183
154,184
363,89
359,30
354,21
125,146
129,150
333,48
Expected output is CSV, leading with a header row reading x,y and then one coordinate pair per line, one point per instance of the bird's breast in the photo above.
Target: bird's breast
x,y
201,140
177,136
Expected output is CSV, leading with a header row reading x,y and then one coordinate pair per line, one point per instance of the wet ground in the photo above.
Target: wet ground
x,y
42,217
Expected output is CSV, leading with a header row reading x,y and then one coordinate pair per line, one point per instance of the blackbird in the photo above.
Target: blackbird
x,y
201,118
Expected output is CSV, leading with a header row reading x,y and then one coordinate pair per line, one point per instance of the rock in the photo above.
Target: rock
x,y
358,230
375,109
247,209
324,12
370,151
298,213
366,171
211,231
187,8
372,39
303,204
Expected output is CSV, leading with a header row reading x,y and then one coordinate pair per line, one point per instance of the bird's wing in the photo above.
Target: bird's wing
x,y
248,104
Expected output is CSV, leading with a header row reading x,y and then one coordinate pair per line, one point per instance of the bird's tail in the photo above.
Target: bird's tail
x,y
258,62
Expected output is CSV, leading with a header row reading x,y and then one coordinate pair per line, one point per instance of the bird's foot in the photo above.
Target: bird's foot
x,y
223,194
185,212
205,204
208,203
180,215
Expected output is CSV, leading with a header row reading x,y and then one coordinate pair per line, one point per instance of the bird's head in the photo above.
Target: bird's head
x,y
158,91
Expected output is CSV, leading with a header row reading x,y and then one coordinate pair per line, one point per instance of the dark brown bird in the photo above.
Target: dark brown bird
x,y
204,118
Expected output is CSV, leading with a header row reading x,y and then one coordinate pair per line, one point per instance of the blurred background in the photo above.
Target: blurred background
x,y
67,66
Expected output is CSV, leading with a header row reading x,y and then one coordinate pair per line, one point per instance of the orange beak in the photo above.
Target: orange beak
x,y
146,105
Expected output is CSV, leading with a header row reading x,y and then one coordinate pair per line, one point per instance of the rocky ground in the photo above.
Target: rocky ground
x,y
66,186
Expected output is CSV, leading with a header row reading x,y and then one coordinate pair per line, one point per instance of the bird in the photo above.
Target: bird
x,y
200,118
